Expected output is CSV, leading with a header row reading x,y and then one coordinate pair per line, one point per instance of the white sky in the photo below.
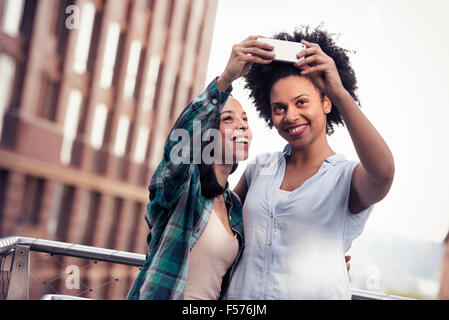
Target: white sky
x,y
402,68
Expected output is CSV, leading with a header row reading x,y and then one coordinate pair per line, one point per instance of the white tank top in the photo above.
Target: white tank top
x,y
209,260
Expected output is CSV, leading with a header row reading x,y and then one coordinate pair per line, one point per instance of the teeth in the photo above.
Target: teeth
x,y
241,140
296,129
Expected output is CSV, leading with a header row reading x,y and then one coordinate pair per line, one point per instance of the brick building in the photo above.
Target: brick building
x,y
88,92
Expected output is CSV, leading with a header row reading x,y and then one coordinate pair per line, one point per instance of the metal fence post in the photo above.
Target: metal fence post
x,y
20,270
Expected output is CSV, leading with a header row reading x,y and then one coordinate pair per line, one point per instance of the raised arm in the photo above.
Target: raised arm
x,y
373,177
243,55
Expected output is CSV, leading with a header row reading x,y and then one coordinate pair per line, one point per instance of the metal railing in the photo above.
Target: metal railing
x,y
358,294
15,262
15,265
73,250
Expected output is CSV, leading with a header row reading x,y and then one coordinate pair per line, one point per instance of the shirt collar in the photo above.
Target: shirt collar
x,y
227,192
287,150
333,159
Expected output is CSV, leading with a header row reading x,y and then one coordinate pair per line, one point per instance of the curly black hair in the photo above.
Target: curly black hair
x,y
261,77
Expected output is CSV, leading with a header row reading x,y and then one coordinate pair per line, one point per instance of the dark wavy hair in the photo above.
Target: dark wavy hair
x,y
261,77
210,188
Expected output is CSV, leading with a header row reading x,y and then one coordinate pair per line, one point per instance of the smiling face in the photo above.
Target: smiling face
x,y
298,111
235,133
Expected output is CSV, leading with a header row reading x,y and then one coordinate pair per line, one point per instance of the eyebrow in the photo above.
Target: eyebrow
x,y
297,97
230,111
304,94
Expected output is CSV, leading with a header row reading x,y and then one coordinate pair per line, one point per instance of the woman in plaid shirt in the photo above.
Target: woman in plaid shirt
x,y
196,229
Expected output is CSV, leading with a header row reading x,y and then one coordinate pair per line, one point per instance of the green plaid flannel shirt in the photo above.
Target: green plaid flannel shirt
x,y
177,212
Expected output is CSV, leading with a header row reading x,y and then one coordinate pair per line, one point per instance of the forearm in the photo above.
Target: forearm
x,y
371,148
205,107
223,83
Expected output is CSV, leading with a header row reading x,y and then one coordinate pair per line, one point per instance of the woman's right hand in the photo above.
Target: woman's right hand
x,y
243,55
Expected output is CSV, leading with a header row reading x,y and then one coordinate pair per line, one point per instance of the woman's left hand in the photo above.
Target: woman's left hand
x,y
324,73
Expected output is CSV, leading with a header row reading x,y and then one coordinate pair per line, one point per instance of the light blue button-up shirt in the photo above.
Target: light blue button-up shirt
x,y
295,247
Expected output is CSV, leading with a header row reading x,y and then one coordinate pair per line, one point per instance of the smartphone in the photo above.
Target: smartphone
x,y
284,51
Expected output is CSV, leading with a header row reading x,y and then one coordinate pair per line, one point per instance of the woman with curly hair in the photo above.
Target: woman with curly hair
x,y
304,206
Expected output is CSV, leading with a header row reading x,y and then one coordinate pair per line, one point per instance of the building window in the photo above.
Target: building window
x,y
169,14
4,174
92,214
187,22
190,95
8,69
49,98
132,68
114,222
64,211
110,55
150,4
70,125
141,144
94,45
137,219
150,87
175,90
32,204
12,17
167,103
99,124
60,28
84,37
122,136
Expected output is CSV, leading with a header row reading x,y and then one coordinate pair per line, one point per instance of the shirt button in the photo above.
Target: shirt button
x,y
214,101
268,271
269,243
271,215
